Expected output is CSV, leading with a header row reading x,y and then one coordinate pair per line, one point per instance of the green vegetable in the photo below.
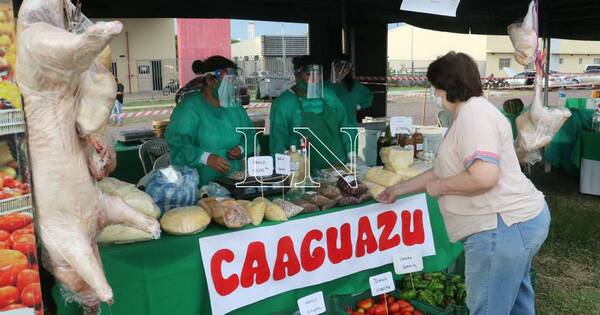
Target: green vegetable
x,y
427,297
439,298
421,284
408,295
435,285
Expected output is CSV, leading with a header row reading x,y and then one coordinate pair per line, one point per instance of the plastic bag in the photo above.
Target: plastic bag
x,y
185,221
524,38
173,187
214,190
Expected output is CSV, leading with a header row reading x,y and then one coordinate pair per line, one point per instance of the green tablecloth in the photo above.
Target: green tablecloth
x,y
586,147
166,276
558,151
129,168
513,121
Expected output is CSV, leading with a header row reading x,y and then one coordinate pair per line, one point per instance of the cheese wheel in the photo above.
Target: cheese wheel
x,y
382,177
185,221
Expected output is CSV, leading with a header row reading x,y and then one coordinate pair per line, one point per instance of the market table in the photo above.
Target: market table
x,y
586,155
166,276
129,168
558,151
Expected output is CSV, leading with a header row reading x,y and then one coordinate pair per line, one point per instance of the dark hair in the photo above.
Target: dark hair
x,y
457,74
302,61
213,63
348,81
197,67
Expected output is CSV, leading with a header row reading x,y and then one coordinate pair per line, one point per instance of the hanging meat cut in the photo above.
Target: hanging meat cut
x,y
68,96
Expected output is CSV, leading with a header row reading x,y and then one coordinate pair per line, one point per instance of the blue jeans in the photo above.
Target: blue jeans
x,y
117,109
498,263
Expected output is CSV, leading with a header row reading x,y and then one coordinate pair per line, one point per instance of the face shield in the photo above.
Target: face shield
x,y
315,82
232,91
340,70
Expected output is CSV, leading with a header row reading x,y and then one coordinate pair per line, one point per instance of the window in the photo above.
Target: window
x,y
113,69
596,60
504,63
561,61
580,60
144,69
255,58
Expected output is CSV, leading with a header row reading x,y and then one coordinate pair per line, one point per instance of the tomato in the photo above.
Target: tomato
x,y
9,274
8,295
5,245
403,303
32,295
390,299
407,313
396,313
9,182
13,307
16,234
409,308
380,310
27,277
394,307
15,221
25,244
30,228
4,235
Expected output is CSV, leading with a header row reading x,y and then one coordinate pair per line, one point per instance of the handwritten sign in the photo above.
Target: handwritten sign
x,y
312,304
260,166
400,124
382,283
282,164
407,262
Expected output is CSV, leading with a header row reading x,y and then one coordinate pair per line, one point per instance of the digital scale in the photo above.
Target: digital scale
x,y
248,193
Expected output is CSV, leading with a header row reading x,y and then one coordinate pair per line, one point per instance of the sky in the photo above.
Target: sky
x,y
239,28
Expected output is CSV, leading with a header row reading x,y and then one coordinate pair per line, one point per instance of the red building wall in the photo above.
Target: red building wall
x,y
199,39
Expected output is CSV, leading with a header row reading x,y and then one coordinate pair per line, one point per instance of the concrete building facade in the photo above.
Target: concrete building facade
x,y
266,53
408,45
144,54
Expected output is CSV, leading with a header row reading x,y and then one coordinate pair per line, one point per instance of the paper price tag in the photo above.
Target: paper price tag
x,y
400,124
407,262
382,283
282,164
592,103
312,304
260,166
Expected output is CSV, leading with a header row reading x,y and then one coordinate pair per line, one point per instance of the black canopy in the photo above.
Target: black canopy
x,y
569,19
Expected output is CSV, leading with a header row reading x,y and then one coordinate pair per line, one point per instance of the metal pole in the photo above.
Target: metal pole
x,y
412,51
283,48
547,49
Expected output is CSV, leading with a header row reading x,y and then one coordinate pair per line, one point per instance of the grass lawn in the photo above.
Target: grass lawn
x,y
568,264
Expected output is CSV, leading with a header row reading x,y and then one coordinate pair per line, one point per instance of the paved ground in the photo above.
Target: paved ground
x,y
404,103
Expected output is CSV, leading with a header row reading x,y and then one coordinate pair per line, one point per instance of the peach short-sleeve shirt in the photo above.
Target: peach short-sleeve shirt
x,y
481,132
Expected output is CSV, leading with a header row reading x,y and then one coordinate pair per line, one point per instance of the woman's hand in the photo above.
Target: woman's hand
x,y
218,164
235,153
388,196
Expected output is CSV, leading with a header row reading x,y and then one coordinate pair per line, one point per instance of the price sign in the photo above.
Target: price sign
x,y
407,262
282,164
260,166
312,304
382,283
400,124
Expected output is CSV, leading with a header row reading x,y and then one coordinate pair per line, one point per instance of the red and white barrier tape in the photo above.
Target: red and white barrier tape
x,y
168,111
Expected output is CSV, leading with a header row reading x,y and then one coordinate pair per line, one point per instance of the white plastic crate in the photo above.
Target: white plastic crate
x,y
16,204
12,121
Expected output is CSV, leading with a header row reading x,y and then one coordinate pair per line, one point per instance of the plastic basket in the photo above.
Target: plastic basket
x,y
342,302
11,121
16,204
461,310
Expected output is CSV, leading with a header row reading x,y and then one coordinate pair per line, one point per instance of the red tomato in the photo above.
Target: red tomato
x,y
30,228
390,299
12,307
396,313
380,310
4,235
27,277
5,245
15,221
409,308
8,295
25,244
394,307
32,295
407,313
403,303
18,233
9,274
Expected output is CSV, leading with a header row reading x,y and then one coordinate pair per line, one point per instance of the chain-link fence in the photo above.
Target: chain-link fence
x,y
399,67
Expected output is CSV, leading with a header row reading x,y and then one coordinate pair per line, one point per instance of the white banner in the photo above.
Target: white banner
x,y
250,265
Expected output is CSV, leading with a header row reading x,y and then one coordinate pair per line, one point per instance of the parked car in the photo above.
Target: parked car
x,y
590,76
590,68
527,78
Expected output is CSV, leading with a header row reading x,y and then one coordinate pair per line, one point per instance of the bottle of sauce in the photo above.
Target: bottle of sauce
x,y
417,141
296,167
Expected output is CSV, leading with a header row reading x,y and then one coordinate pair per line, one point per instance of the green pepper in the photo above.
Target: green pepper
x,y
461,296
449,290
427,297
443,278
436,274
427,276
408,295
456,279
439,298
435,285
421,284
